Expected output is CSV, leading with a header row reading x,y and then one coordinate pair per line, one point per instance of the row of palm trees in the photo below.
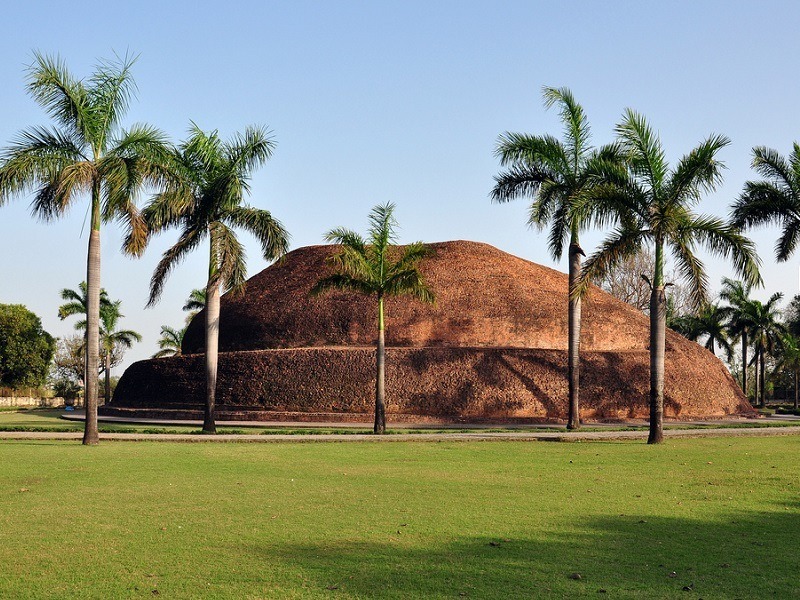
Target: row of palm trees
x,y
760,326
629,187
199,188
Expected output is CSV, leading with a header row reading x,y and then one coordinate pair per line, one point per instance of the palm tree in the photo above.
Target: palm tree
x,y
365,266
112,340
205,199
170,342
85,153
710,322
76,304
652,205
766,330
789,359
740,312
775,199
556,175
194,303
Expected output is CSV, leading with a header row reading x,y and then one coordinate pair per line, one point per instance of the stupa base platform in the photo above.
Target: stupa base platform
x,y
428,385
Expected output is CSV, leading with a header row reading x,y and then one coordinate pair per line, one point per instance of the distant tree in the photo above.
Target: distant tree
x,y
194,303
76,304
25,348
86,153
791,316
710,324
113,342
205,199
653,206
555,175
741,315
789,360
366,267
68,361
170,342
766,331
626,283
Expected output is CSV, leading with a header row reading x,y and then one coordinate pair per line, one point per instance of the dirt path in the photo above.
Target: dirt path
x,y
559,436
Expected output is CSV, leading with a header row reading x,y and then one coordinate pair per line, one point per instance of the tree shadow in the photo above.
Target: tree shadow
x,y
744,555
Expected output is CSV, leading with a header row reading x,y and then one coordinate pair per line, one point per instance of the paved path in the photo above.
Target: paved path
x,y
559,436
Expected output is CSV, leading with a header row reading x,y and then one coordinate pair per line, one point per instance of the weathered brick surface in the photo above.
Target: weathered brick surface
x,y
492,347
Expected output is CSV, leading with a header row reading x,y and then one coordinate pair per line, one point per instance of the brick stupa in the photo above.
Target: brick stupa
x,y
491,349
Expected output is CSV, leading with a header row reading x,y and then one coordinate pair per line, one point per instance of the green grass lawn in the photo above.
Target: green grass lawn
x,y
412,520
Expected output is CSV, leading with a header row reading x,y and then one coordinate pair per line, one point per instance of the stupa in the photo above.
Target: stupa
x,y
493,348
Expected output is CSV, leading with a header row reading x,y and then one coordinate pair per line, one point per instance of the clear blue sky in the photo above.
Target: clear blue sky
x,y
403,101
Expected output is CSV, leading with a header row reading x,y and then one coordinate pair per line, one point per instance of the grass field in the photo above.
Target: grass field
x,y
719,517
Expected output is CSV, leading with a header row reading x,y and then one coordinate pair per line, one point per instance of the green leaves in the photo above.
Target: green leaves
x,y
205,181
775,199
366,267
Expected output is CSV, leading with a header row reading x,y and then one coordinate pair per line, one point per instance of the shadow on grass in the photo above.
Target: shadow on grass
x,y
748,555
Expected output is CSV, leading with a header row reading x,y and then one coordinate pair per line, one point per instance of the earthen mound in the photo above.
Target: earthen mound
x,y
492,347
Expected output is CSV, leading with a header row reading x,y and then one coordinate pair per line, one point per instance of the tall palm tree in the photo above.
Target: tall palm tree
x,y
652,205
170,342
205,199
766,331
711,323
85,153
112,340
740,312
366,267
555,174
774,199
789,360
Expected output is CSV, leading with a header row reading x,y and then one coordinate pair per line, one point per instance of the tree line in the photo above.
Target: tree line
x,y
199,187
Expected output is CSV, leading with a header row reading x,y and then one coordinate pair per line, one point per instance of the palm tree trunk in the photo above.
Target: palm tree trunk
x,y
795,390
762,377
744,363
755,378
90,434
574,326
380,392
107,368
212,348
658,324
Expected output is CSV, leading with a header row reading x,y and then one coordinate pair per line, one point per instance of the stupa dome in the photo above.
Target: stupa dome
x,y
492,347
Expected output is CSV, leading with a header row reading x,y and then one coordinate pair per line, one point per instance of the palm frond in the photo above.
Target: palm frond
x,y
762,203
643,148
231,269
269,231
251,149
62,96
408,282
577,133
35,158
698,171
727,242
188,241
622,243
343,282
111,89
